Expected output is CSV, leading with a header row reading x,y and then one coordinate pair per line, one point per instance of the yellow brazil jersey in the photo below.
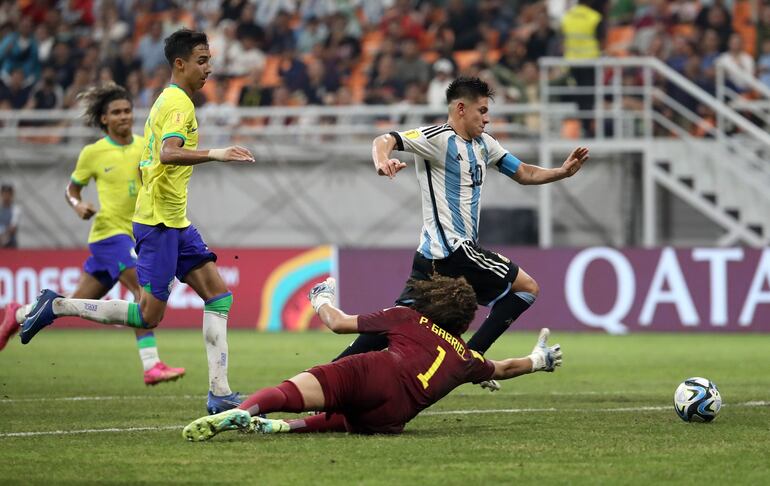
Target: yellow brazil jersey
x,y
163,196
115,168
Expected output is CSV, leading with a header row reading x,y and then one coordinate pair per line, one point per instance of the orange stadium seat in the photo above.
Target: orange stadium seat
x,y
619,40
465,59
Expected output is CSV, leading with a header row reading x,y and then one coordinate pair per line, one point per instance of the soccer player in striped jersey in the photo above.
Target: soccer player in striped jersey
x,y
452,161
167,244
113,163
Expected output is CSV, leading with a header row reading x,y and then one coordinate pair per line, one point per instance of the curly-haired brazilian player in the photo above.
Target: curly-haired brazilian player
x,y
380,391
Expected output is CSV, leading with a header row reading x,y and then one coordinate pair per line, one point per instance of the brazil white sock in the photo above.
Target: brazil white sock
x,y
148,349
215,314
102,311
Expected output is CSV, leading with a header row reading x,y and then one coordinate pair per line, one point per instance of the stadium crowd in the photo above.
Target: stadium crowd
x,y
342,52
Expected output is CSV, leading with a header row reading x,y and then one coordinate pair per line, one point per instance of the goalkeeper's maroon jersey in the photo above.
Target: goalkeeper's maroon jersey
x,y
379,392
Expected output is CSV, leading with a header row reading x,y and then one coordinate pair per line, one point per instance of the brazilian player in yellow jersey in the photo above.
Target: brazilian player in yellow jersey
x,y
167,245
113,162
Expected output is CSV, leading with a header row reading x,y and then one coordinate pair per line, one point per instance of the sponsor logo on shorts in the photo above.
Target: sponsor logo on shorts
x,y
91,307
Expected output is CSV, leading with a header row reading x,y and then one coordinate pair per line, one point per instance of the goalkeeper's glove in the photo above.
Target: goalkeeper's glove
x,y
323,293
544,357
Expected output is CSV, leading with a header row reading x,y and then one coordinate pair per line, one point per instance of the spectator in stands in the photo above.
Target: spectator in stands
x,y
342,50
312,33
270,11
388,48
64,63
280,36
19,50
464,22
109,30
386,88
177,18
232,10
736,59
13,93
443,74
134,87
583,31
293,72
45,42
219,115
764,63
717,18
709,54
542,42
10,213
403,21
682,51
410,67
125,62
322,83
150,49
248,28
253,93
79,84
46,94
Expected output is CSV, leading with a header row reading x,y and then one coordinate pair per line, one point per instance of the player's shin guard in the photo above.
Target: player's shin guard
x,y
215,314
504,312
285,397
363,344
323,422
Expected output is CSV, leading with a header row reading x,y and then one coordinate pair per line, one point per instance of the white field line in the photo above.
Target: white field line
x,y
756,403
196,397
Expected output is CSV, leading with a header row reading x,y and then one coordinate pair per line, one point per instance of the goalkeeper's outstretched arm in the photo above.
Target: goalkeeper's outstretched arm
x,y
322,298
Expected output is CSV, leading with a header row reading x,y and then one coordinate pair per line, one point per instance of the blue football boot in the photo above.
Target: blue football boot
x,y
40,316
216,404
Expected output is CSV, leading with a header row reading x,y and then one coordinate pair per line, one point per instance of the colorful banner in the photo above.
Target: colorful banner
x,y
600,288
597,289
270,286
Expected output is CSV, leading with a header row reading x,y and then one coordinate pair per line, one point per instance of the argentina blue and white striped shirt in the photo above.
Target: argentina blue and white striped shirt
x,y
451,171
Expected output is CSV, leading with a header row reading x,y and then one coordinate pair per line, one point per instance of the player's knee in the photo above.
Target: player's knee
x,y
150,321
528,285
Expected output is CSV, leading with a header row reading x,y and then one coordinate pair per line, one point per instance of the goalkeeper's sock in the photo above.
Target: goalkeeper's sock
x,y
285,397
148,348
21,313
503,313
323,422
101,311
363,344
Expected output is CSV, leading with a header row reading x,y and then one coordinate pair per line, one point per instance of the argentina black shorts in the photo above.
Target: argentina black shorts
x,y
489,273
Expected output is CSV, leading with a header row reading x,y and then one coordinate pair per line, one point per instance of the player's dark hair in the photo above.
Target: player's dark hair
x,y
181,43
448,302
98,98
468,88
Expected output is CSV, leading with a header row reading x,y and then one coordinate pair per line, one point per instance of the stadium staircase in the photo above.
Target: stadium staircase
x,y
715,161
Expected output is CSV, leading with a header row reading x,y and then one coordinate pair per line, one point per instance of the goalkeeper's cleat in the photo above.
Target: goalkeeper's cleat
x,y
544,357
9,326
207,427
216,404
40,316
491,385
269,426
161,373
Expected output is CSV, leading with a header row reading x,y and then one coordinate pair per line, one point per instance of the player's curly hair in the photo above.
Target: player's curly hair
x,y
181,43
449,302
468,88
96,99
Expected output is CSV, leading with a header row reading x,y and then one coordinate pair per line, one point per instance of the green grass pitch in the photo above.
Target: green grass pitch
x,y
605,417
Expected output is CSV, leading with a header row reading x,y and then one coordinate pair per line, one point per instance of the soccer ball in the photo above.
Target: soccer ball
x,y
697,400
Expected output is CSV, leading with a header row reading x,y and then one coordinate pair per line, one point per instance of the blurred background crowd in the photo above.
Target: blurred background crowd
x,y
342,52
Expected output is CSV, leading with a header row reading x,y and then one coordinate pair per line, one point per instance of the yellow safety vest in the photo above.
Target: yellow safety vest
x,y
579,27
